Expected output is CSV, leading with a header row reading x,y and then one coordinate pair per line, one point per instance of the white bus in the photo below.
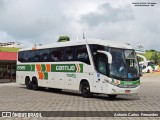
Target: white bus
x,y
147,68
90,66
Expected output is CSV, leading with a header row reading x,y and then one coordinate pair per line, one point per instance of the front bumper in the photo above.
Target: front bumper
x,y
111,89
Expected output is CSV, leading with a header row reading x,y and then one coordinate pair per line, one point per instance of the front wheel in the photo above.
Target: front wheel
x,y
85,89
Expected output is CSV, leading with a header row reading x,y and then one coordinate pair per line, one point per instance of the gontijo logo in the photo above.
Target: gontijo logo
x,y
67,67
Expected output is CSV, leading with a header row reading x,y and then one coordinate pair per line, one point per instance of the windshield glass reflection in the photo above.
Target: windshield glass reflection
x,y
124,63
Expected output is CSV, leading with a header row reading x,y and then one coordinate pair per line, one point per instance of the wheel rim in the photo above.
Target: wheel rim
x,y
85,90
28,84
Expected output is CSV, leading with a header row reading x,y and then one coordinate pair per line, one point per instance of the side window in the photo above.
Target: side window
x,y
26,56
82,54
44,55
101,64
56,54
34,57
21,56
94,49
69,53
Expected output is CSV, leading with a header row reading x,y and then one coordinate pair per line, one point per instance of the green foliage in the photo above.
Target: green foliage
x,y
153,55
7,49
63,39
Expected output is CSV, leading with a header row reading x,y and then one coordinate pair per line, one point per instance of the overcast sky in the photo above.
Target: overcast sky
x,y
43,21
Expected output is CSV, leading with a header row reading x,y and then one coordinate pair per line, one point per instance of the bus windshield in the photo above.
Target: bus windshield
x,y
124,64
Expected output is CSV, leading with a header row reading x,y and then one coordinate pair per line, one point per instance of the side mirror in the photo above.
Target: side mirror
x,y
107,54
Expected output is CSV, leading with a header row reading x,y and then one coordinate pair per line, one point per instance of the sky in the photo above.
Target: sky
x,y
43,21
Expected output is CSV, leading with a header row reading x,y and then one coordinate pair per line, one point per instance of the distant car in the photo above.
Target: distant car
x,y
147,69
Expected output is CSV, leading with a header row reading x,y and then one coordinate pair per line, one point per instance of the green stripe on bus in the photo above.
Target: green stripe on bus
x,y
130,82
33,67
24,67
43,66
46,75
81,66
54,67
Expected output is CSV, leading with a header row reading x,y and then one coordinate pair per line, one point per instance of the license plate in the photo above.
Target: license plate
x,y
127,91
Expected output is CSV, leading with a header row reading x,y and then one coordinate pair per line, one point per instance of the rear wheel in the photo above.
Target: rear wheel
x,y
28,83
35,84
85,89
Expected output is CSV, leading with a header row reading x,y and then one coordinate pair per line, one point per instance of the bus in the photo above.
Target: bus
x,y
91,66
148,67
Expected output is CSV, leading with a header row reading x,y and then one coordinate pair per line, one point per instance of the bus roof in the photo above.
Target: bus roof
x,y
83,41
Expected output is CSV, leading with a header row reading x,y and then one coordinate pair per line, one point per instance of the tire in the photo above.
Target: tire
x,y
85,90
35,84
28,83
112,96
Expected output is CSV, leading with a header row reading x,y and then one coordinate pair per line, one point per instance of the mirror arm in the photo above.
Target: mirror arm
x,y
108,55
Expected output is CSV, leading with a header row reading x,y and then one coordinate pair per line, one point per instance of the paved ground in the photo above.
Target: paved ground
x,y
14,97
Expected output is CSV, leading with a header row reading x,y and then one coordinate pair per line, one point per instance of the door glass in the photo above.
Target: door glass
x,y
102,65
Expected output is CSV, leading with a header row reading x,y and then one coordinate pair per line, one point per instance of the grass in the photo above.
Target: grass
x,y
6,49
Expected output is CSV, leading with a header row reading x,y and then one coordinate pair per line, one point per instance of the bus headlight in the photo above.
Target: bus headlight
x,y
115,82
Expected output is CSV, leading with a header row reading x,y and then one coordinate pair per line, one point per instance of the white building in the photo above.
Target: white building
x,y
11,45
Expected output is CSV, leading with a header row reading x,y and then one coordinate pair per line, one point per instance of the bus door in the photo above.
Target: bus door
x,y
100,77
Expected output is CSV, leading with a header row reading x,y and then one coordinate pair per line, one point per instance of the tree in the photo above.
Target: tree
x,y
153,55
63,39
156,57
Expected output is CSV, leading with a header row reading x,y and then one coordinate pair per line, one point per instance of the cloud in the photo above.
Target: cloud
x,y
125,23
108,14
43,21
28,19
5,37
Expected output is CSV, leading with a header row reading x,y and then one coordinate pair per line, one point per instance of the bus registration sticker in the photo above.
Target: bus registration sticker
x,y
128,83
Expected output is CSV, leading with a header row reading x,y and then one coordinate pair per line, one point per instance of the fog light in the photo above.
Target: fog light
x,y
113,90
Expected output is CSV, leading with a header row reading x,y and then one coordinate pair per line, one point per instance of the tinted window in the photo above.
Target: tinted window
x,y
101,65
94,49
26,56
56,54
20,57
69,53
44,55
34,56
82,54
